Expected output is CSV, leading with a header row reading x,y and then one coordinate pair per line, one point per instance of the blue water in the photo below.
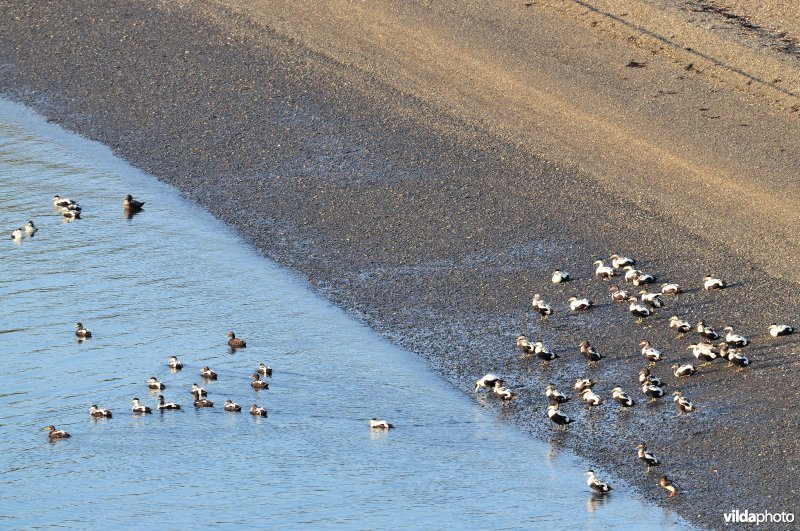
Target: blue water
x,y
173,280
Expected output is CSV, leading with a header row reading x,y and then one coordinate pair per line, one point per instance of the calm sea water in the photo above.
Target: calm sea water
x,y
173,280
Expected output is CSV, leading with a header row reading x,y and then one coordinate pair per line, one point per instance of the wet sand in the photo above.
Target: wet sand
x,y
427,168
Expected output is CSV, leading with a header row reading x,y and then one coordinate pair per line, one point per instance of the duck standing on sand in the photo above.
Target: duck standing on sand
x,y
139,408
131,205
56,434
543,352
264,371
682,404
584,383
647,458
541,306
683,370
232,406
166,406
598,486
591,398
488,381
669,485
653,299
706,331
653,391
555,395
560,419
679,325
503,393
650,353
646,377
524,345
710,282
376,424
733,356
235,342
603,271
30,229
207,373
258,383
705,352
622,398
590,353
639,310
174,364
735,340
559,276
777,330
81,332
577,305
258,411
98,413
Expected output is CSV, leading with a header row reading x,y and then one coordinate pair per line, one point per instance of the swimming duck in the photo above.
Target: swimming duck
x,y
555,395
650,353
619,295
265,371
706,331
622,398
603,271
98,413
647,458
591,398
653,391
671,289
488,381
173,363
235,342
164,406
16,235
653,299
710,282
577,304
232,406
683,370
646,377
198,392
679,325
203,402
543,352
70,215
131,205
598,486
30,229
81,332
669,485
682,403
618,262
735,340
139,408
153,383
541,306
733,356
705,352
555,415
59,202
56,434
258,383
590,353
376,424
584,383
559,277
777,330
639,310
207,373
258,411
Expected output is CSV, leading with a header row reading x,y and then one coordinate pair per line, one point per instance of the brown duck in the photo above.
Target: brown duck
x,y
235,342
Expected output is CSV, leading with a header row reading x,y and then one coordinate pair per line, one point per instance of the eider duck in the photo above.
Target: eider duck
x,y
618,262
30,229
258,411
258,383
503,393
81,332
235,342
98,413
630,273
541,306
16,235
590,353
683,370
524,345
173,363
591,398
622,398
735,340
164,406
671,289
59,202
705,352
559,277
265,371
643,278
679,325
584,383
653,391
56,434
777,330
706,331
733,356
207,373
577,304
131,205
203,402
710,282
603,271
619,295
153,383
650,353
232,406
646,377
600,487
682,404
68,215
198,392
555,415
139,408
647,458
669,485
543,352
653,299
376,424
488,381
639,310
555,395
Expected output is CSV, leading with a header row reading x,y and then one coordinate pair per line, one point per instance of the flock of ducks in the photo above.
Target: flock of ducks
x,y
641,305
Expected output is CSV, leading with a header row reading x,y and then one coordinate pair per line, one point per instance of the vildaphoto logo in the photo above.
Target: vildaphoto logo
x,y
746,517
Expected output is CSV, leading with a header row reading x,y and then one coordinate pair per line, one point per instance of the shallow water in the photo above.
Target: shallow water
x,y
173,280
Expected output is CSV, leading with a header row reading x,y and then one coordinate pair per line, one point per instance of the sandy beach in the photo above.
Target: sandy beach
x,y
428,166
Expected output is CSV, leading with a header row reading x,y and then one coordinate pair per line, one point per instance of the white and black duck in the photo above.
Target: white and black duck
x,y
577,305
584,383
622,398
543,352
647,457
598,486
544,309
650,353
639,310
488,381
555,395
559,276
734,340
619,295
671,288
559,418
733,356
683,370
646,377
711,282
706,331
653,391
603,271
778,330
618,262
682,404
653,299
589,352
705,352
591,398
679,325
166,406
